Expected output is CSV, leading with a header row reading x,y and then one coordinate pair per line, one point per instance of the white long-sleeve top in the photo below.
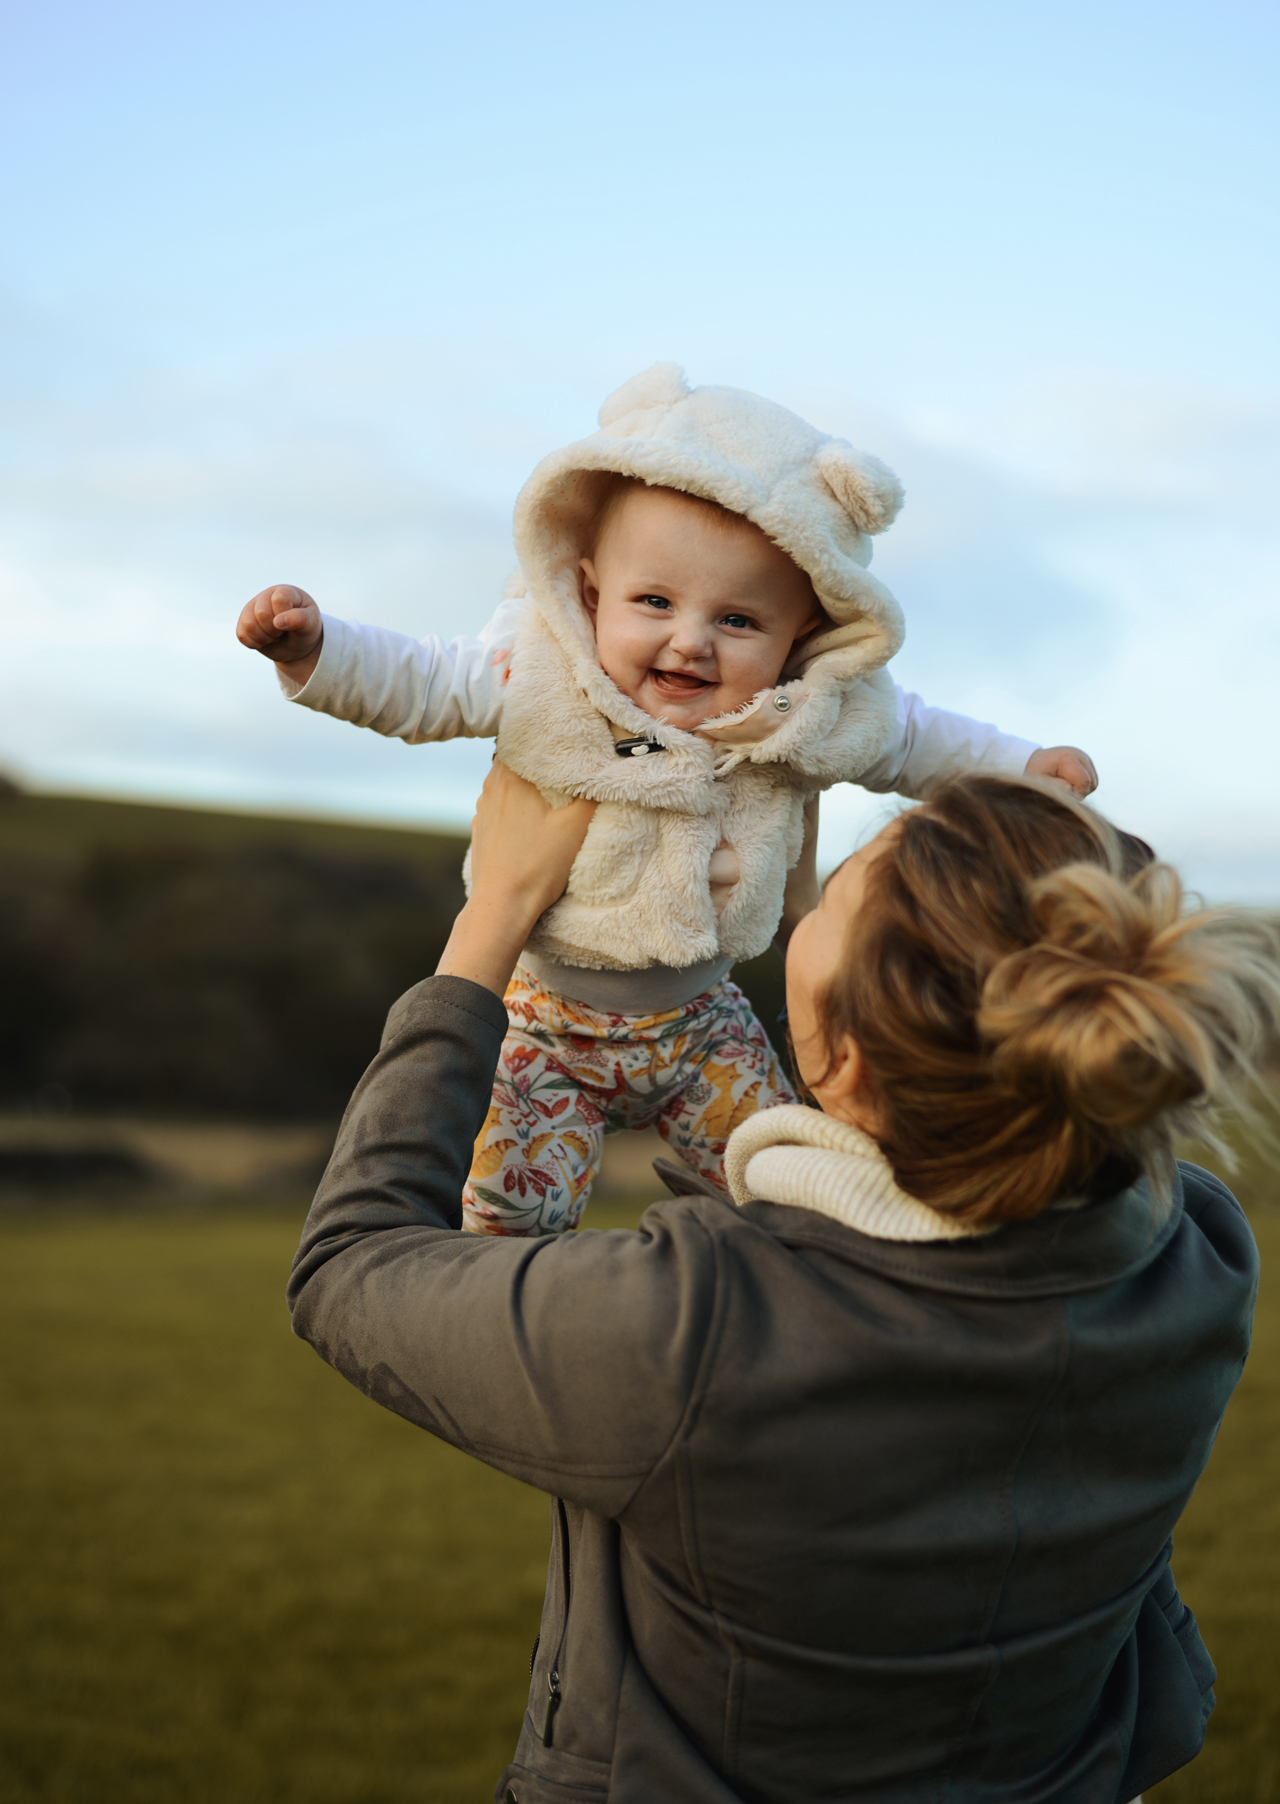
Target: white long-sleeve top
x,y
424,690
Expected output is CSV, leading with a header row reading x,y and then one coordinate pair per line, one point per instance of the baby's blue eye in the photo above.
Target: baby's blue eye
x,y
737,620
656,601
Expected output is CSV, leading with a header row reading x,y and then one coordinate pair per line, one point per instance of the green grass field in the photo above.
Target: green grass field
x,y
228,1578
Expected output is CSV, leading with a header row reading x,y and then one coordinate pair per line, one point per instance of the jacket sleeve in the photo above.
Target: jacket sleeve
x,y
418,690
929,743
566,1361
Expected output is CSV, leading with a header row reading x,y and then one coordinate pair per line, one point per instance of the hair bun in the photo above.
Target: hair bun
x,y
1039,1016
1105,1015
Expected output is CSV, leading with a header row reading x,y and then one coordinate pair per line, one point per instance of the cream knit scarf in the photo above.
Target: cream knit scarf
x,y
809,1160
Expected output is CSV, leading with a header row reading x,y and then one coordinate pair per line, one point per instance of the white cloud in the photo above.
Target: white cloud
x,y
1093,561
1119,439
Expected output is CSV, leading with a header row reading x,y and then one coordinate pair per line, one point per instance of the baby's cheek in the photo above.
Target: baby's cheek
x,y
742,686
626,673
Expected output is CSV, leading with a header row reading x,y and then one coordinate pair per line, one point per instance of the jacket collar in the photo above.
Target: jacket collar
x,y
809,1160
1070,1248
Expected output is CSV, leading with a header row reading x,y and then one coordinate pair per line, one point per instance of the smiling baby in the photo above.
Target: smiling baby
x,y
695,643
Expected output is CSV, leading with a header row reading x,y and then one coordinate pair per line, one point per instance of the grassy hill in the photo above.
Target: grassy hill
x,y
228,1577
178,959
62,832
187,960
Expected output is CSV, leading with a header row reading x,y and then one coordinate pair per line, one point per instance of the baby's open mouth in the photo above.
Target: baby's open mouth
x,y
679,682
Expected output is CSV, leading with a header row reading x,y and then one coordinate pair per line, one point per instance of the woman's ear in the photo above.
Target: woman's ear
x,y
845,1089
588,586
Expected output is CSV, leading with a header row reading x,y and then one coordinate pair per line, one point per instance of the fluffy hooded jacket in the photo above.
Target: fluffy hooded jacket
x,y
639,893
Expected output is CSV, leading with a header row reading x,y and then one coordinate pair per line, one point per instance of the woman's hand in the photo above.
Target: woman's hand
x,y
803,892
522,851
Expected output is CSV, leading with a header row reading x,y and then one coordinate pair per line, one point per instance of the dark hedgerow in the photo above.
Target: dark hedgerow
x,y
174,960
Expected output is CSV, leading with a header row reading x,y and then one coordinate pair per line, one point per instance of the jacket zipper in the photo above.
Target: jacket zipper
x,y
554,1697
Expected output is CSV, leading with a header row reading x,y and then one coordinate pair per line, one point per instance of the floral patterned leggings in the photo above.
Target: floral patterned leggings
x,y
568,1075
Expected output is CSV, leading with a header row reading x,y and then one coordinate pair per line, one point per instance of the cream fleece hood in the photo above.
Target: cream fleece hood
x,y
813,495
640,894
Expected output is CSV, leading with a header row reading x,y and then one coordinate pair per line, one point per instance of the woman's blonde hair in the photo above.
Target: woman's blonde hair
x,y
1039,1012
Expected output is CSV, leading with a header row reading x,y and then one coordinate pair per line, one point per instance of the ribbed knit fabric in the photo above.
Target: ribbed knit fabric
x,y
809,1160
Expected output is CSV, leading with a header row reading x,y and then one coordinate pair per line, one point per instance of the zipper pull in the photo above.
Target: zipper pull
x,y
636,748
553,1704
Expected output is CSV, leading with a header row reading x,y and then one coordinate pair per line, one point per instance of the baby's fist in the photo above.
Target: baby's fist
x,y
1067,765
285,625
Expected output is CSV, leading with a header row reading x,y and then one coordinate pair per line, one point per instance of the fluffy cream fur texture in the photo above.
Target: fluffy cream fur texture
x,y
639,893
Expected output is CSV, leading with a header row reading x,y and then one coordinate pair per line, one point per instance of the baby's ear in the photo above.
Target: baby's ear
x,y
588,586
866,489
818,622
662,385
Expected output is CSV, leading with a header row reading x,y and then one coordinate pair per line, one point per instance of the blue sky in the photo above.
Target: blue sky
x,y
302,293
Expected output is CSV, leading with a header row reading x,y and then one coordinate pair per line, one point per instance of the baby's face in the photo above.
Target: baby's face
x,y
695,612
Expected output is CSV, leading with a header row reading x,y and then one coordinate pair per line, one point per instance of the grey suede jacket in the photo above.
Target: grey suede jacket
x,y
834,1518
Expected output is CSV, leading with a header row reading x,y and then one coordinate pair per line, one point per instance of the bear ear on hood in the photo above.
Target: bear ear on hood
x,y
867,489
659,386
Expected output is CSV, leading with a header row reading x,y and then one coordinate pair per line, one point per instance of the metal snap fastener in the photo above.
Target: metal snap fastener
x,y
782,703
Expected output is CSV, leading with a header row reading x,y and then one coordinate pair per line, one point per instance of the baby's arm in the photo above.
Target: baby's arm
x,y
411,689
930,743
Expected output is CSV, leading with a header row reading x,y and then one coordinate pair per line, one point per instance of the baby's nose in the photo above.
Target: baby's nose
x,y
691,639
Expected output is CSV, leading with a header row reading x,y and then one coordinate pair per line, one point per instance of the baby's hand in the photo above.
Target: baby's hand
x,y
1066,765
285,625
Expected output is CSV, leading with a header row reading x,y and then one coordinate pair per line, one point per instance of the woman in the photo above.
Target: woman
x,y
864,1480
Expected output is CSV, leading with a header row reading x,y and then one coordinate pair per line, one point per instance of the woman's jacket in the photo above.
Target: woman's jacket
x,y
835,1517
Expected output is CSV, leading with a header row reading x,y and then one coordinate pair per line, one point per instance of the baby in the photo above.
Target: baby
x,y
696,644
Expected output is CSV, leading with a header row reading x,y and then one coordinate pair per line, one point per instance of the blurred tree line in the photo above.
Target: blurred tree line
x,y
169,959
179,960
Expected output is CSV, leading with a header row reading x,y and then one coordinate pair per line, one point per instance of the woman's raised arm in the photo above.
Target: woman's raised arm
x,y
459,1332
522,851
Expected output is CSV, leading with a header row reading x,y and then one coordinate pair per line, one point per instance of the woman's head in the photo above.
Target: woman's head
x,y
1009,995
